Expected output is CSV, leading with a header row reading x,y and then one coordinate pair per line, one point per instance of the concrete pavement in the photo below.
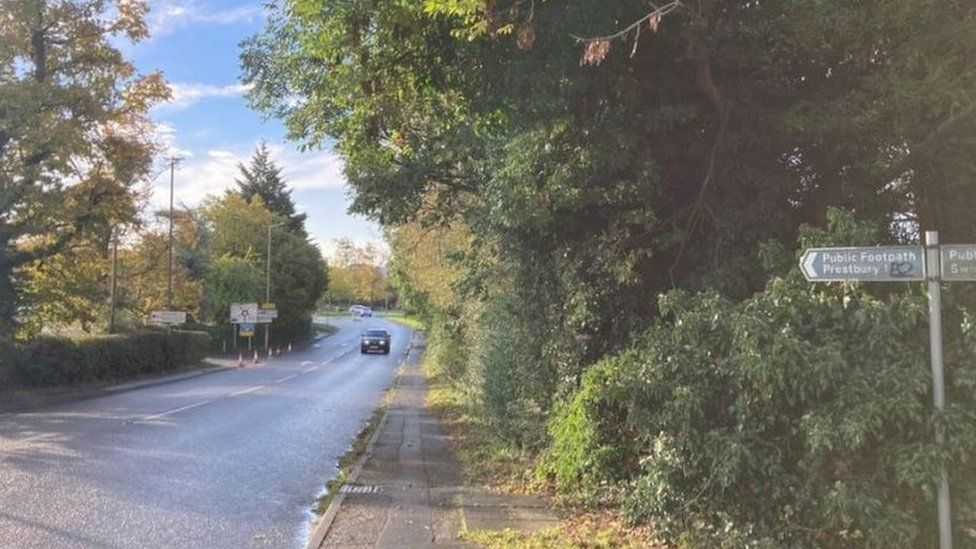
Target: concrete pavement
x,y
410,492
230,459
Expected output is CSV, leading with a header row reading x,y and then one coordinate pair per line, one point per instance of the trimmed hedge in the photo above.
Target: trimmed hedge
x,y
51,361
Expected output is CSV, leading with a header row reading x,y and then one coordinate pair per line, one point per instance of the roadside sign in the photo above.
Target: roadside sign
x,y
167,317
934,263
246,329
243,313
266,316
958,262
269,305
868,264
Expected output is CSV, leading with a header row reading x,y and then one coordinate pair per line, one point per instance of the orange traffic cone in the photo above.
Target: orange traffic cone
x,y
255,357
240,360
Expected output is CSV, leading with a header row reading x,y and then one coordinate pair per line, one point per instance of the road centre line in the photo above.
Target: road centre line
x,y
306,362
246,391
310,369
176,410
286,378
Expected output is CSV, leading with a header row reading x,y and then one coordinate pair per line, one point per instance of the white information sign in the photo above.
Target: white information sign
x,y
243,313
167,317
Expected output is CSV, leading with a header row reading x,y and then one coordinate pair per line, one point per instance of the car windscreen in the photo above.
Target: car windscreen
x,y
377,333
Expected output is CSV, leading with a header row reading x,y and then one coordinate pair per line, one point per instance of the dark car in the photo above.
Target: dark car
x,y
375,340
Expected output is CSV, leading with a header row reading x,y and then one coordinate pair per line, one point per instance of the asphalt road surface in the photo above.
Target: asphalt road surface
x,y
231,459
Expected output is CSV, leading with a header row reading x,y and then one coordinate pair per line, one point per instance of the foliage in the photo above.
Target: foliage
x,y
142,268
798,417
262,178
537,208
74,133
238,244
49,361
356,275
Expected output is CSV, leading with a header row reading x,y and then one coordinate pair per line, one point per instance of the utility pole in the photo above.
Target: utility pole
x,y
112,280
267,285
173,161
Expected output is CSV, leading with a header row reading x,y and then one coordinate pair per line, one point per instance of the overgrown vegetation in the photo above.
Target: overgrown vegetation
x,y
595,207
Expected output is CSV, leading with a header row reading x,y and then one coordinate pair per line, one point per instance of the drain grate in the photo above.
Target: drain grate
x,y
359,489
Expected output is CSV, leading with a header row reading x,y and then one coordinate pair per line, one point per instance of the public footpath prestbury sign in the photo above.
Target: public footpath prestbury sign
x,y
934,264
869,264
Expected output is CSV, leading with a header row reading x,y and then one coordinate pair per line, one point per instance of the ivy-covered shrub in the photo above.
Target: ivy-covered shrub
x,y
50,361
799,417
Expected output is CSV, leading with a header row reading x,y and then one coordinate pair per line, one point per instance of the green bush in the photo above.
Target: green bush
x,y
799,417
51,361
515,384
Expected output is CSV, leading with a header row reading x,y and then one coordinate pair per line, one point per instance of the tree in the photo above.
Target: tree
x,y
237,242
142,268
356,274
262,178
74,131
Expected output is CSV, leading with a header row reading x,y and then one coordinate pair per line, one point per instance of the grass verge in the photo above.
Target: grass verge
x,y
348,460
488,460
590,531
410,321
327,329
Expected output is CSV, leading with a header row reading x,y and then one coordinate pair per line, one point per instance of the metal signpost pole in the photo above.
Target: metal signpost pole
x,y
933,267
267,287
904,264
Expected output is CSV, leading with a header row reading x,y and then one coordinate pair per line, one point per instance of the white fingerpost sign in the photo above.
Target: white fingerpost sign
x,y
874,264
166,318
959,262
900,264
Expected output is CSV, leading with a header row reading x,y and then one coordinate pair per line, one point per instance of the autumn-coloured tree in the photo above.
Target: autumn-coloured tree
x,y
75,137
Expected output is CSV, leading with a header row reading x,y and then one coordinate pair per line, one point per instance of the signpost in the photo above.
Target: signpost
x,y
243,313
902,264
878,264
959,262
167,318
267,313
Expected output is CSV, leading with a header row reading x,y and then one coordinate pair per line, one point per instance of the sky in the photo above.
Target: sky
x,y
207,122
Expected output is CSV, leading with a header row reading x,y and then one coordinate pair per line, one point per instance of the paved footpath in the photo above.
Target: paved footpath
x,y
410,492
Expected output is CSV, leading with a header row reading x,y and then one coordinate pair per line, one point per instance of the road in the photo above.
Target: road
x,y
230,459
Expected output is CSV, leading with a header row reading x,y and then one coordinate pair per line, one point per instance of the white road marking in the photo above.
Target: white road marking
x,y
176,410
246,391
306,362
310,369
286,378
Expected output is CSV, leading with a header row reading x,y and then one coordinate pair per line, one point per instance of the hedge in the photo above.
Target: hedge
x,y
53,361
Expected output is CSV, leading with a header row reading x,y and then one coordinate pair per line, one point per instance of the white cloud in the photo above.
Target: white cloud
x,y
167,16
214,171
166,135
186,94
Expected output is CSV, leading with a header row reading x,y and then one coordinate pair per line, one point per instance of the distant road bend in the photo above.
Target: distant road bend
x,y
231,459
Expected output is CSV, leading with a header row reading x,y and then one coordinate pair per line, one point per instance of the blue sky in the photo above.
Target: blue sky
x,y
195,44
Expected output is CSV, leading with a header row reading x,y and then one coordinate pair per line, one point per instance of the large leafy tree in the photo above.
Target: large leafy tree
x,y
238,233
262,178
74,131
